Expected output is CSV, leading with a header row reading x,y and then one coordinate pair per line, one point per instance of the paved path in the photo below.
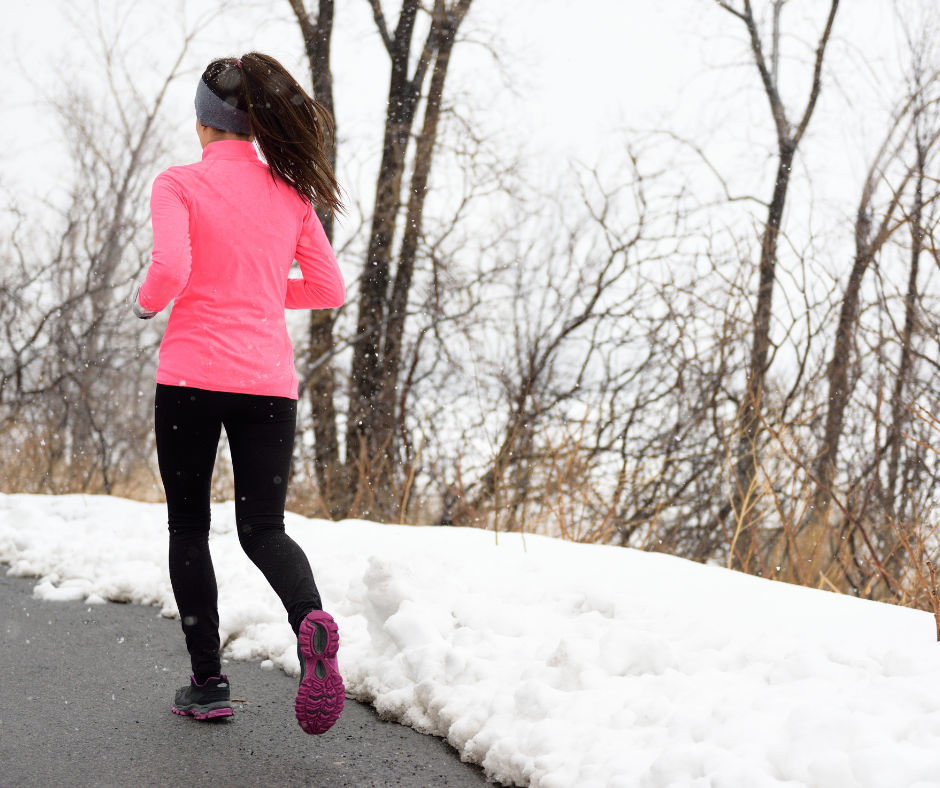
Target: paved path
x,y
85,698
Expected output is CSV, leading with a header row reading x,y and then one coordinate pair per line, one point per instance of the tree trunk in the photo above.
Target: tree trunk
x,y
814,540
744,495
331,473
749,418
385,426
839,386
365,408
371,445
898,410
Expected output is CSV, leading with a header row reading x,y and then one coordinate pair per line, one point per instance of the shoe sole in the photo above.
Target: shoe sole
x,y
205,713
321,694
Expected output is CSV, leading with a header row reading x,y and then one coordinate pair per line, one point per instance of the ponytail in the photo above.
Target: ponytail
x,y
290,127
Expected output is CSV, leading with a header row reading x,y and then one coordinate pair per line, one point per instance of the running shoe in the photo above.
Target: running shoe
x,y
322,693
206,701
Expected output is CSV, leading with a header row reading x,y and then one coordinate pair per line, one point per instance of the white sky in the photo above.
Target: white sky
x,y
579,73
600,61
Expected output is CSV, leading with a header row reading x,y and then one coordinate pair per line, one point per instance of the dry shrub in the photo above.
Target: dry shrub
x,y
37,463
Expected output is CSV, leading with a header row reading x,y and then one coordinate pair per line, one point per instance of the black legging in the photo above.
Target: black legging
x,y
260,433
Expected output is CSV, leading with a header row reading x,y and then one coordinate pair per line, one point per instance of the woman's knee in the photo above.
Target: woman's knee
x,y
184,527
250,531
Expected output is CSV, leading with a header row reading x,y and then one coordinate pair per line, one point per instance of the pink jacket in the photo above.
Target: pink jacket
x,y
224,238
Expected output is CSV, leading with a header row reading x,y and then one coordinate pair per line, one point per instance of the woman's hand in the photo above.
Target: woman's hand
x,y
143,314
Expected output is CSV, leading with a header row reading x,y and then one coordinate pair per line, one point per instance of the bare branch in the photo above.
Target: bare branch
x,y
817,75
728,7
381,25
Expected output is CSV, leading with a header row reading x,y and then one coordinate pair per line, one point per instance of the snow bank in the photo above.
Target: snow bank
x,y
552,664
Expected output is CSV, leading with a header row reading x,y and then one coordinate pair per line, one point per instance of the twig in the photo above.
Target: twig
x,y
410,481
935,600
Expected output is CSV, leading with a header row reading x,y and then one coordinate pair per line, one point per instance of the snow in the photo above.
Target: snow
x,y
551,664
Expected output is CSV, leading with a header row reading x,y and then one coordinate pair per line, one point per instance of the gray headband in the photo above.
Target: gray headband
x,y
214,111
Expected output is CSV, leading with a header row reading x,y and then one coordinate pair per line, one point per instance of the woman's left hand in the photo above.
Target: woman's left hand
x,y
143,314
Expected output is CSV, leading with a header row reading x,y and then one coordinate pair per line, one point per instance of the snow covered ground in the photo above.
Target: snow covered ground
x,y
552,664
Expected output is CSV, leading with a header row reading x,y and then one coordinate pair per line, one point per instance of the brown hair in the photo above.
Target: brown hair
x,y
291,128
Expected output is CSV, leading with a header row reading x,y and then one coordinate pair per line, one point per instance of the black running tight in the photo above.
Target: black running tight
x,y
260,432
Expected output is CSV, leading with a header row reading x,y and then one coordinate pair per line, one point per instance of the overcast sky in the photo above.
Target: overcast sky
x,y
572,75
600,60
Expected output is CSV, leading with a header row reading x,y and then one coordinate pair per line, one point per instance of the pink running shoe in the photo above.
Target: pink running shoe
x,y
321,693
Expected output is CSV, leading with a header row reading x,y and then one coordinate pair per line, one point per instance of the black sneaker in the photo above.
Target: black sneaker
x,y
206,701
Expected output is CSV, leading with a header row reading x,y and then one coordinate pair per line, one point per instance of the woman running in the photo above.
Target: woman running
x,y
226,231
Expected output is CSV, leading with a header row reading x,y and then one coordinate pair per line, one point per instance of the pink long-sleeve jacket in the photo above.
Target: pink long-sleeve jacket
x,y
224,238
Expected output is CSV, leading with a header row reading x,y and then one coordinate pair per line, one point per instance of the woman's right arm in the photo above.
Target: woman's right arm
x,y
172,259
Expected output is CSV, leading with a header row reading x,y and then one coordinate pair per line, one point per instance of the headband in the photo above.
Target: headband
x,y
212,110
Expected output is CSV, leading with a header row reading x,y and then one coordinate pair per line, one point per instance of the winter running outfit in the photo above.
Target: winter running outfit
x,y
225,235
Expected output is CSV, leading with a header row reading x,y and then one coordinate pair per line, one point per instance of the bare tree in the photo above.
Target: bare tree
x,y
370,434
789,136
816,538
76,364
321,376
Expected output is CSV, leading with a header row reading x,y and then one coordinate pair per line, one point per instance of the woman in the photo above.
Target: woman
x,y
226,231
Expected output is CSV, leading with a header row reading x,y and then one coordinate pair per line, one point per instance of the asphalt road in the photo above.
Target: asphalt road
x,y
85,697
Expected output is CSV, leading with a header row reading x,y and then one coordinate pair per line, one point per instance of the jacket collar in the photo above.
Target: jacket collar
x,y
230,149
